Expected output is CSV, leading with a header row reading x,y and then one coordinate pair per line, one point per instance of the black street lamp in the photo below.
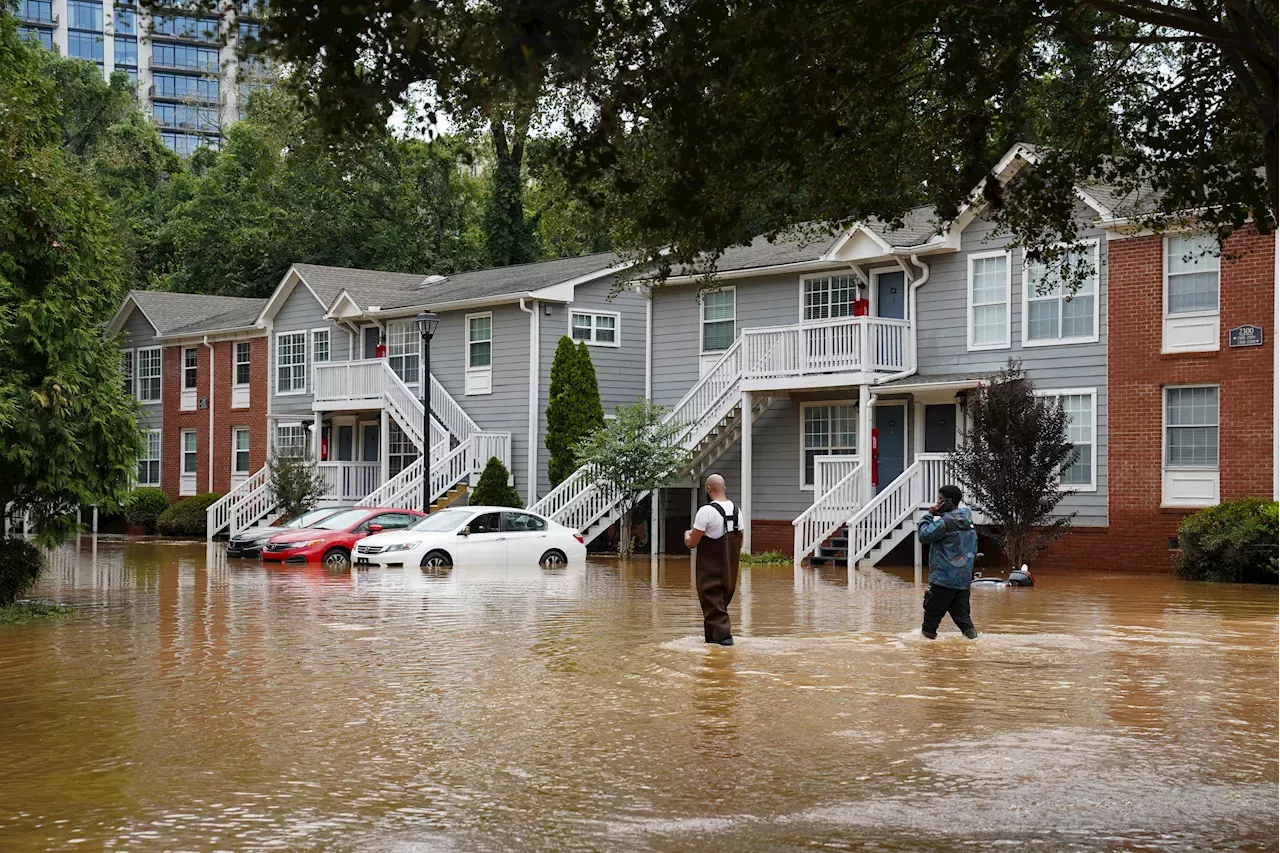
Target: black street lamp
x,y
427,322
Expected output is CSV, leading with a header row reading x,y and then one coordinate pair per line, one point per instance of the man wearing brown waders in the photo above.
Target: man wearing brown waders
x,y
717,534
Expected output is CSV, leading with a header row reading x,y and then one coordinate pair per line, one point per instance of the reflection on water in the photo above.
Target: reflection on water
x,y
192,703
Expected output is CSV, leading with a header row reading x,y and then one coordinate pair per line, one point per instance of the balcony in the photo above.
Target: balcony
x,y
848,351
36,18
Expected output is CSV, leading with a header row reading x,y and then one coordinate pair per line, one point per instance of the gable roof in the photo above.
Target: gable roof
x,y
188,313
327,282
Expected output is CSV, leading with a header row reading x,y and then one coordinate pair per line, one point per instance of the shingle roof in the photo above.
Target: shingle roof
x,y
174,313
371,285
763,252
919,225
906,383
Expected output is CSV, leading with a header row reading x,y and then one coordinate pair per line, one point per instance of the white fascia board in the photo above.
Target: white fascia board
x,y
237,333
344,307
556,292
291,279
834,253
122,313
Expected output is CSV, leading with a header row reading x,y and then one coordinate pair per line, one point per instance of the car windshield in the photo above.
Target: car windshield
x,y
342,520
443,521
309,518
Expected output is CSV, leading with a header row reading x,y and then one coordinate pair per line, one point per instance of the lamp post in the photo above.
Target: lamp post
x,y
427,322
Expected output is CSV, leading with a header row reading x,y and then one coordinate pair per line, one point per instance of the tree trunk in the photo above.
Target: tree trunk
x,y
624,534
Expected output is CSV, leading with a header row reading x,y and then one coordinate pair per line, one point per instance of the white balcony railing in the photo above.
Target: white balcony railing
x,y
350,481
848,345
350,381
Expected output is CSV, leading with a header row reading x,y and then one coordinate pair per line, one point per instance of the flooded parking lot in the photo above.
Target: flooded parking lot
x,y
196,703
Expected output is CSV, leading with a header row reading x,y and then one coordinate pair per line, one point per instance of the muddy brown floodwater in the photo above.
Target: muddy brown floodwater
x,y
196,703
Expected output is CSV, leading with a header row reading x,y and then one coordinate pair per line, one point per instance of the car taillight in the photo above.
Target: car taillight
x,y
578,536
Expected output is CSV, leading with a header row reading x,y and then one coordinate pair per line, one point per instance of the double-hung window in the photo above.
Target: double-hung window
x,y
989,300
240,451
718,317
190,369
319,348
1081,408
404,344
1190,446
291,363
190,463
149,461
479,372
148,370
1052,313
126,368
291,440
829,297
1191,272
827,429
597,329
243,361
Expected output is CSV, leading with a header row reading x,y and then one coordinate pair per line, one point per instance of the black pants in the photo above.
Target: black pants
x,y
941,600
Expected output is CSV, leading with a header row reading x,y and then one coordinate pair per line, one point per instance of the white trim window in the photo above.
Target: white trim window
x,y
1051,313
149,461
126,371
291,363
1081,407
826,429
479,371
149,374
719,319
404,347
828,297
597,328
400,450
190,369
1190,445
1191,293
291,440
243,363
319,350
190,462
989,284
240,452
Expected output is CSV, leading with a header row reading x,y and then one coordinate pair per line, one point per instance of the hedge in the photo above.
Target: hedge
x,y
144,506
1233,541
186,517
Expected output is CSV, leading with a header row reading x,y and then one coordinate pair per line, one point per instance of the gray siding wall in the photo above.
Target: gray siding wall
x,y
137,333
302,312
619,370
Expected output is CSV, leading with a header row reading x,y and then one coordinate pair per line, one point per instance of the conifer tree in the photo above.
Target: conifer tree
x,y
573,409
494,488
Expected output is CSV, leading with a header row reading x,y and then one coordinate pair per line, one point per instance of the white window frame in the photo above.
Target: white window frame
x,y
804,293
236,362
1092,394
148,459
314,351
302,377
593,340
408,333
158,377
813,404
1205,473
127,367
1027,298
477,380
702,321
187,479
1008,299
190,371
248,451
1207,321
275,436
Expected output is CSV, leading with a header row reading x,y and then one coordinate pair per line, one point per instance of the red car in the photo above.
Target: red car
x,y
331,540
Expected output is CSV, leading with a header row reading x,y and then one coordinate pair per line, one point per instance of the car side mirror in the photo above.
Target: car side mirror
x,y
466,531
375,528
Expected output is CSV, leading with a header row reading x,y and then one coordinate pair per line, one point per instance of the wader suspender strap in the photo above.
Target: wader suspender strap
x,y
737,523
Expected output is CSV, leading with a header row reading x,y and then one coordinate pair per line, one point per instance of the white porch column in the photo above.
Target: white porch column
x,y
384,450
654,499
866,417
316,424
745,497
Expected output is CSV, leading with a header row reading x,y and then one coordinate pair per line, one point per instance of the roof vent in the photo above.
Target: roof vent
x,y
434,279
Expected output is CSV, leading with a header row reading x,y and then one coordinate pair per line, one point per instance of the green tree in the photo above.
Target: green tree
x,y
68,430
631,456
1010,464
494,487
296,482
573,407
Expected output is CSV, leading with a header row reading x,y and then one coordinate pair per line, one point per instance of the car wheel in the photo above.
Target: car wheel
x,y
436,560
553,559
335,557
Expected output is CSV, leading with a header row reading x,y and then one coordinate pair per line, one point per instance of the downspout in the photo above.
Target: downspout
x,y
911,312
531,490
648,346
212,360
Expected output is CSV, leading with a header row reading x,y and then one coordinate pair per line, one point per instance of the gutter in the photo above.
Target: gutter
x,y
915,322
531,490
212,386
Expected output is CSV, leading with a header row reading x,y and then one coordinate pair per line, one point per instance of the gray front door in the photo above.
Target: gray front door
x,y
346,443
891,428
891,295
371,341
940,428
369,438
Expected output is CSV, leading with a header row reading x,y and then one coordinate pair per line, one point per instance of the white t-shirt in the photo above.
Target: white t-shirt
x,y
709,521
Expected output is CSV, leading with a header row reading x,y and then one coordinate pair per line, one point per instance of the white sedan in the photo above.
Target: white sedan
x,y
474,536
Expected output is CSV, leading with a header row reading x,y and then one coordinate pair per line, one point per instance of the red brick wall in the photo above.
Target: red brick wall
x,y
225,418
770,535
1139,529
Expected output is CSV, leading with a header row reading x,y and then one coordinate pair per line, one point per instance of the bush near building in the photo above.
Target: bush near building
x,y
20,564
494,488
144,506
1234,541
186,517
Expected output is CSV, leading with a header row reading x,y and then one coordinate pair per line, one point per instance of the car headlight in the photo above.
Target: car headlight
x,y
403,546
306,544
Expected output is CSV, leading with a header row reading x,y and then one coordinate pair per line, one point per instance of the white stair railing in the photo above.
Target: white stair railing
x,y
252,506
219,513
485,446
884,512
828,513
450,414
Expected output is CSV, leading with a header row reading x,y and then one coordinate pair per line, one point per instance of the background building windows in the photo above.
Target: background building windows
x,y
36,10
85,46
183,87
187,27
184,56
44,37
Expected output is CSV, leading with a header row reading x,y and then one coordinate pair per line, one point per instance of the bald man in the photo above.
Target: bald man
x,y
717,534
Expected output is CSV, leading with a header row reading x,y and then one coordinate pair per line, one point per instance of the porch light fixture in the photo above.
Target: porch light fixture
x,y
426,322
962,397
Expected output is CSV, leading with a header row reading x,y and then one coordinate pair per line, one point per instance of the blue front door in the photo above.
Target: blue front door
x,y
891,295
891,427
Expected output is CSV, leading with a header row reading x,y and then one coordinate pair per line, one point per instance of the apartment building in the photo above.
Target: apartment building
x,y
198,368
191,67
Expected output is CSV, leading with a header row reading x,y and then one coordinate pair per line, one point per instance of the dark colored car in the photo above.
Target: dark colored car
x,y
330,541
248,543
